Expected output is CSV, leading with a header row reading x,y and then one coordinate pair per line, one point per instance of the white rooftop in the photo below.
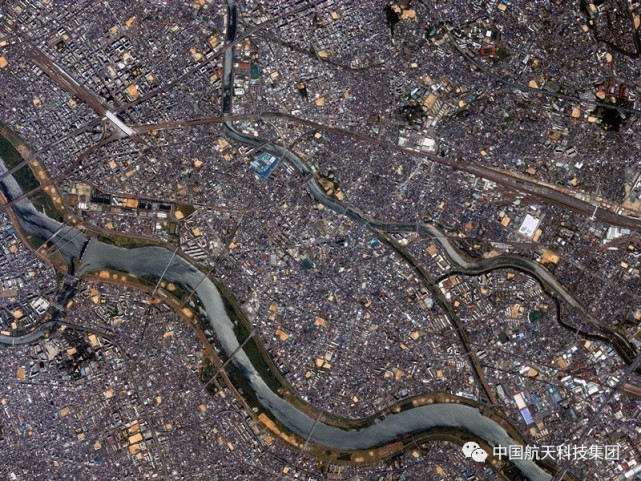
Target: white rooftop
x,y
529,225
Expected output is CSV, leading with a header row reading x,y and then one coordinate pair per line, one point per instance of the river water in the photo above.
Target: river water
x,y
153,260
150,262
70,242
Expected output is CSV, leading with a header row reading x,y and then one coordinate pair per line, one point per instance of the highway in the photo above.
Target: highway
x,y
64,80
67,82
546,194
29,337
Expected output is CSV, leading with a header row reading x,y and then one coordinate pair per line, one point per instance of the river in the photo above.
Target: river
x,y
150,262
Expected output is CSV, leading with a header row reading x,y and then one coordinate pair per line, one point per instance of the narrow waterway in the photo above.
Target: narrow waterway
x,y
151,262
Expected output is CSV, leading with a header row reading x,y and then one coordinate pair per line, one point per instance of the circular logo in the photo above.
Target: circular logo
x,y
474,451
469,448
479,455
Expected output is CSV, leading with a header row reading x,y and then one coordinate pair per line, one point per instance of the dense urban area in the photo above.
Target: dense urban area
x,y
238,236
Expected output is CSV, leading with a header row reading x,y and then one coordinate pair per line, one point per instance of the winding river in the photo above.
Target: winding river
x,y
150,263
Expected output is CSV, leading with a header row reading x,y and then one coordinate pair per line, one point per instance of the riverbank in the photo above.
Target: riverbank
x,y
260,387
29,173
262,417
251,371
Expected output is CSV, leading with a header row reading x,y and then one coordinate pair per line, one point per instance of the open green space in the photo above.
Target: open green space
x,y
26,179
128,242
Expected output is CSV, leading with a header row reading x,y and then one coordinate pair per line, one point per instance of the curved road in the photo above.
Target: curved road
x,y
467,265
546,193
382,228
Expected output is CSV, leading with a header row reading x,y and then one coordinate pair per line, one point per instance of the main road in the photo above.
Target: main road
x,y
386,428
470,266
545,193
